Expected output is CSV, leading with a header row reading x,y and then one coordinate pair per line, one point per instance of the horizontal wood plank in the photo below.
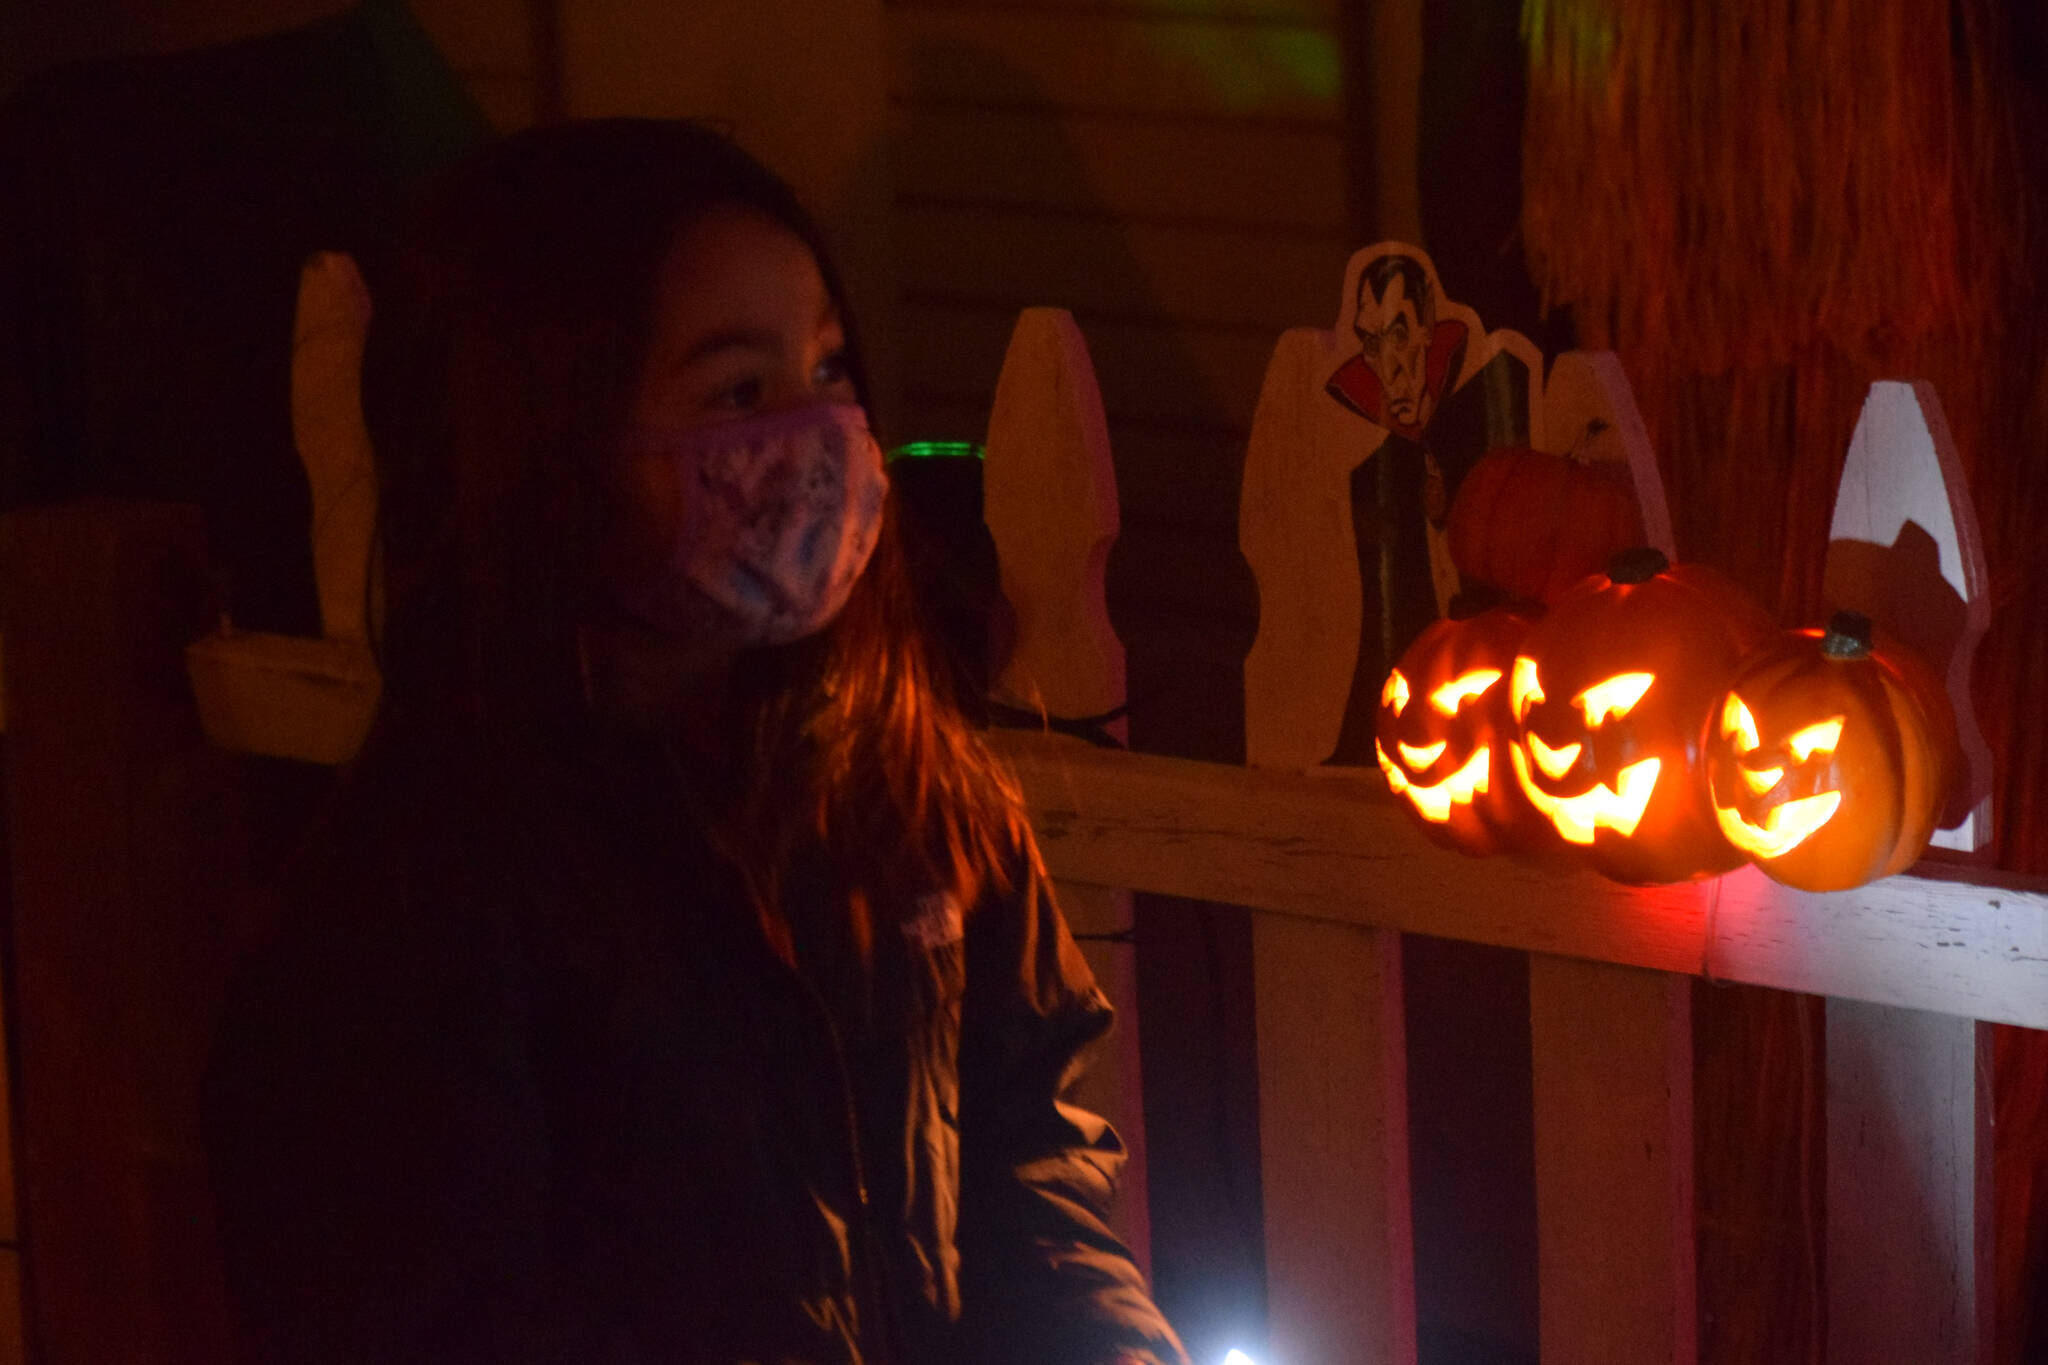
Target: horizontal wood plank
x,y
930,416
1086,60
1322,13
487,34
509,99
1131,169
1333,845
1225,277
1330,844
1156,371
1166,474
1177,569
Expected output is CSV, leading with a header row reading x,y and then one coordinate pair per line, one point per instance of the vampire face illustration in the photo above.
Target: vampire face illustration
x,y
1396,320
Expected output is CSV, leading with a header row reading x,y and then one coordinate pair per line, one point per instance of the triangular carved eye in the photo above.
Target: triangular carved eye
x,y
1821,738
1615,696
1395,692
1737,724
1760,782
1524,689
1453,694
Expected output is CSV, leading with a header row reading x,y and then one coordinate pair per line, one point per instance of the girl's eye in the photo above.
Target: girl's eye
x,y
742,395
833,369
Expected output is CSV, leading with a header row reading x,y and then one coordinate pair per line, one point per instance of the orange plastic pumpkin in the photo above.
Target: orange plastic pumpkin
x,y
1610,696
1442,731
1828,759
1533,524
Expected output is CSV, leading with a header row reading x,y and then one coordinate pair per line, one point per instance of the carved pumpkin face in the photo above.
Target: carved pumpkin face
x,y
1442,728
1827,760
1610,695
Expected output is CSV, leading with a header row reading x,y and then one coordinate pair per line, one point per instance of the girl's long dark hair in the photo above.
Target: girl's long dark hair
x,y
510,331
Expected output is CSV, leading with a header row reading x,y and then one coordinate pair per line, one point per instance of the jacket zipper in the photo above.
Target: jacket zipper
x,y
867,1253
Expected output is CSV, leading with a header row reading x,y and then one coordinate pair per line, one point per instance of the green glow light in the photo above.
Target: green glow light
x,y
1258,69
945,450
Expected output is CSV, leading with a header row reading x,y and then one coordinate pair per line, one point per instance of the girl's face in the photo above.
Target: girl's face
x,y
743,324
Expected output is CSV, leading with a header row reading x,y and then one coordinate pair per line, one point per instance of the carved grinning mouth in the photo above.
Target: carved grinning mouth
x,y
1786,826
1619,808
1434,801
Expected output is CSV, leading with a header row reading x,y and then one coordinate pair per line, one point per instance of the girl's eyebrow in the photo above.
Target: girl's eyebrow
x,y
731,339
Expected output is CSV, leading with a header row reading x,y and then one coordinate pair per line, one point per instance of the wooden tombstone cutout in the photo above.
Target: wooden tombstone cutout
x,y
1049,498
309,699
1909,1103
1362,436
1904,549
333,440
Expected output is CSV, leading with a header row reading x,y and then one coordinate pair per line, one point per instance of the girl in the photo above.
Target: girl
x,y
675,979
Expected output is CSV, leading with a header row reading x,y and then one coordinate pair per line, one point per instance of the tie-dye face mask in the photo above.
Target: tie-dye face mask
x,y
780,515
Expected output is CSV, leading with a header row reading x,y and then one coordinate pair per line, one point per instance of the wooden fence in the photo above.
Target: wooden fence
x,y
104,759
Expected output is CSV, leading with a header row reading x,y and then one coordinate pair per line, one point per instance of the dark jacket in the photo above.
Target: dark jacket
x,y
529,1085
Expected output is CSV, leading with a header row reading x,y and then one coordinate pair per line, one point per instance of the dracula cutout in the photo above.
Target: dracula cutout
x,y
1431,391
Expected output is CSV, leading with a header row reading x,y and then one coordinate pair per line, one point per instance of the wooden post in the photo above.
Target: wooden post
x,y
1611,1053
1333,1141
1614,1163
1332,1041
1909,1187
1909,1106
1049,498
98,602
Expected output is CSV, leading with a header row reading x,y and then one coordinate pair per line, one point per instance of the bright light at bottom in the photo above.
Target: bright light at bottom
x,y
1238,1358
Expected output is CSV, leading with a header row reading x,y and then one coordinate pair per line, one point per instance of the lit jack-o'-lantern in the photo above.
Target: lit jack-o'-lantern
x,y
1610,696
1442,731
1828,760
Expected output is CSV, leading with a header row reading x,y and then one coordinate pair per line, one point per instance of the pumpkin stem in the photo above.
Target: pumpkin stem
x,y
1639,565
1848,636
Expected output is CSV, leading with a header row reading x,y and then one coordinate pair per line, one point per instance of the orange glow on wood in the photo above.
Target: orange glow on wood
x,y
1577,818
1785,827
1615,696
1453,694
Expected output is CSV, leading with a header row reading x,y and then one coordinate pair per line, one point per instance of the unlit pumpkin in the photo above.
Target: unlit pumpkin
x,y
1533,524
1611,693
1829,758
